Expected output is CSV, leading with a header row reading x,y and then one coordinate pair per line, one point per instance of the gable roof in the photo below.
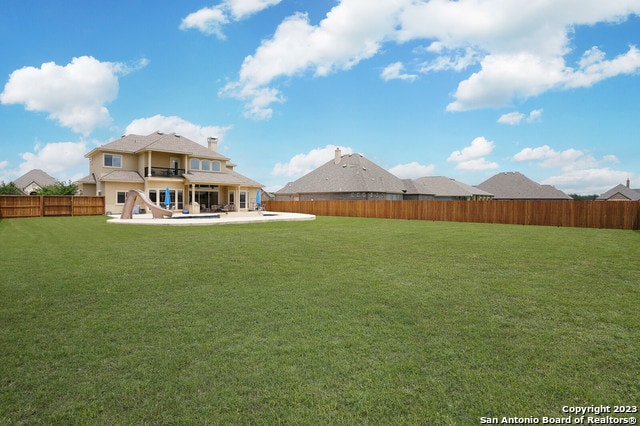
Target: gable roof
x,y
442,186
170,142
516,186
37,176
346,173
624,191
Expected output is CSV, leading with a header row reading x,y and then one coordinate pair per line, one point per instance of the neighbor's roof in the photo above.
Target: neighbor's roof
x,y
353,173
135,144
36,176
515,185
631,194
442,186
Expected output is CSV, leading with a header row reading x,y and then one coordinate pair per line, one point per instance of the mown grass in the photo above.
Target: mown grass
x,y
335,321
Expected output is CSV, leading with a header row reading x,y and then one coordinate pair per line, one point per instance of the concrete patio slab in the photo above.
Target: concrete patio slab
x,y
212,218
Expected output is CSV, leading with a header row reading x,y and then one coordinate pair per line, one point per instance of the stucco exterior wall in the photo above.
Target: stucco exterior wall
x,y
110,193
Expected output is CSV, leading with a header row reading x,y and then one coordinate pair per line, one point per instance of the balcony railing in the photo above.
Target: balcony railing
x,y
164,172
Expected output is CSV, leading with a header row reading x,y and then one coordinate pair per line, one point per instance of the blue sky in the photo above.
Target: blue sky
x,y
463,89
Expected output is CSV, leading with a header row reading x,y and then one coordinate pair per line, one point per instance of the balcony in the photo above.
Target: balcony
x,y
164,172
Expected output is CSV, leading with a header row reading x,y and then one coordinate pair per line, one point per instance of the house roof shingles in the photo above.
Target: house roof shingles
x,y
133,144
37,176
353,173
624,191
516,186
442,186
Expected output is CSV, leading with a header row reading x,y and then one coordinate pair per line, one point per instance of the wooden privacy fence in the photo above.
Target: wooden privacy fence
x,y
588,214
50,205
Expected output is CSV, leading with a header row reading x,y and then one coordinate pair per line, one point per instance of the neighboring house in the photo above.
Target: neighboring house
x,y
346,177
621,193
516,186
442,188
198,178
30,182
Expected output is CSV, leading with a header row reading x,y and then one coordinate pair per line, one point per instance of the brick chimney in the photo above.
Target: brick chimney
x,y
628,183
338,156
213,143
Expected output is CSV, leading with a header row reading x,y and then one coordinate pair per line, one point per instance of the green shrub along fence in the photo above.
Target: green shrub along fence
x,y
50,205
586,214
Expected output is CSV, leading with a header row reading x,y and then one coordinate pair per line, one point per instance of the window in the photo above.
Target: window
x,y
194,164
215,166
121,197
111,160
206,165
243,199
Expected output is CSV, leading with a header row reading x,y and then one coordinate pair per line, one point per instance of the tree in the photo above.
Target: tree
x,y
9,189
59,188
583,197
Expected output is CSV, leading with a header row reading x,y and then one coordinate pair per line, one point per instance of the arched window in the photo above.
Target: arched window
x,y
206,165
215,166
194,164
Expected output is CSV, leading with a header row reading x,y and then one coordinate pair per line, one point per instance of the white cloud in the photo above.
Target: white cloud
x,y
593,67
412,170
394,72
301,164
569,159
210,20
455,61
579,172
352,31
589,181
479,147
471,158
173,124
514,118
477,164
74,95
519,45
511,118
504,77
59,159
535,115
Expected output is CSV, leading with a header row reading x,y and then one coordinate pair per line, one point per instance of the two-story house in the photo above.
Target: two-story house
x,y
198,178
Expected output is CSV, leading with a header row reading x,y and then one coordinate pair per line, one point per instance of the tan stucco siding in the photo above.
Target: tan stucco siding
x,y
110,192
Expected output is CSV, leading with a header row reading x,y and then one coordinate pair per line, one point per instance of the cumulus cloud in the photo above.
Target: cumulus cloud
x,y
472,157
352,31
301,164
511,118
56,158
394,72
578,171
517,48
173,124
589,181
210,20
569,159
514,118
412,170
74,95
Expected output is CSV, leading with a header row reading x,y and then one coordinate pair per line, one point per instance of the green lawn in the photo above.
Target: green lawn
x,y
333,321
